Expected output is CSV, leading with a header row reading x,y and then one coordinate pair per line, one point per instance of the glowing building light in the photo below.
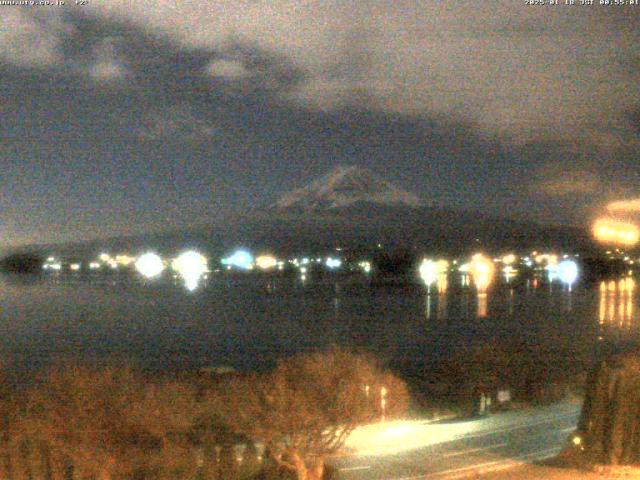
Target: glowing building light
x,y
428,272
482,270
190,263
365,266
266,262
149,265
509,259
124,260
240,259
104,257
432,271
568,271
74,267
94,266
191,266
333,263
607,230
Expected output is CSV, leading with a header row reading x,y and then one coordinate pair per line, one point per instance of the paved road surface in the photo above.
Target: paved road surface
x,y
457,449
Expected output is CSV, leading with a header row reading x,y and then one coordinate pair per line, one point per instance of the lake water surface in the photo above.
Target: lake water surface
x,y
248,322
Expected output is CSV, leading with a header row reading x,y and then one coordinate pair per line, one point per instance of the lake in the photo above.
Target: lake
x,y
248,322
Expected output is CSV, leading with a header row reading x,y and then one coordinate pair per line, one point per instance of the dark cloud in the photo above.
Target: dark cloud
x,y
228,104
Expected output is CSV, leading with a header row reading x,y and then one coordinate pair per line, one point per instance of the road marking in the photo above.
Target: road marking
x,y
472,450
512,428
486,467
351,469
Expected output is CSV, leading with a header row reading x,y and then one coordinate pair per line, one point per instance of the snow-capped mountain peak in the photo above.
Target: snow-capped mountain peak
x,y
344,186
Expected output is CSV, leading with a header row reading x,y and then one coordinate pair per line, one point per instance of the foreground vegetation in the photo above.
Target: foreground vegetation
x,y
116,423
109,423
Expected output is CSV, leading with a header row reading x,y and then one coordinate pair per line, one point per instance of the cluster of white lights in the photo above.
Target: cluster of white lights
x,y
191,266
149,265
365,266
434,271
333,263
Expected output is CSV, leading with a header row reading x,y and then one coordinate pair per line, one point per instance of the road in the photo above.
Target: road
x,y
457,449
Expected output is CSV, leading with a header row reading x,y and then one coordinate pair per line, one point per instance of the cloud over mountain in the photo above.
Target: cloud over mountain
x,y
517,71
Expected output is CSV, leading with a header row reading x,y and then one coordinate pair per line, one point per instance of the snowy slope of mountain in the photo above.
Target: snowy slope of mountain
x,y
345,186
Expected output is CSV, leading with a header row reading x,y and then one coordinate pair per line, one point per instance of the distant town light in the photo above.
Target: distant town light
x,y
434,271
509,259
333,263
74,267
124,260
607,230
149,265
428,272
568,271
240,259
266,262
365,266
94,266
482,270
191,266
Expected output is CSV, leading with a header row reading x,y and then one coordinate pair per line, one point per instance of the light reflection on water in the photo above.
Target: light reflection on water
x,y
617,305
247,320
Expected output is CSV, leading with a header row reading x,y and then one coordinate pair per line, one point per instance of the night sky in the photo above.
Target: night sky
x,y
120,117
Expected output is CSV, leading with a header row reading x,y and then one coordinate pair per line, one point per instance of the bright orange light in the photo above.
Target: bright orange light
x,y
482,270
607,230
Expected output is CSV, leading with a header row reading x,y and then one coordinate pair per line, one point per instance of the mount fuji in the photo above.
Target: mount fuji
x,y
346,186
353,207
